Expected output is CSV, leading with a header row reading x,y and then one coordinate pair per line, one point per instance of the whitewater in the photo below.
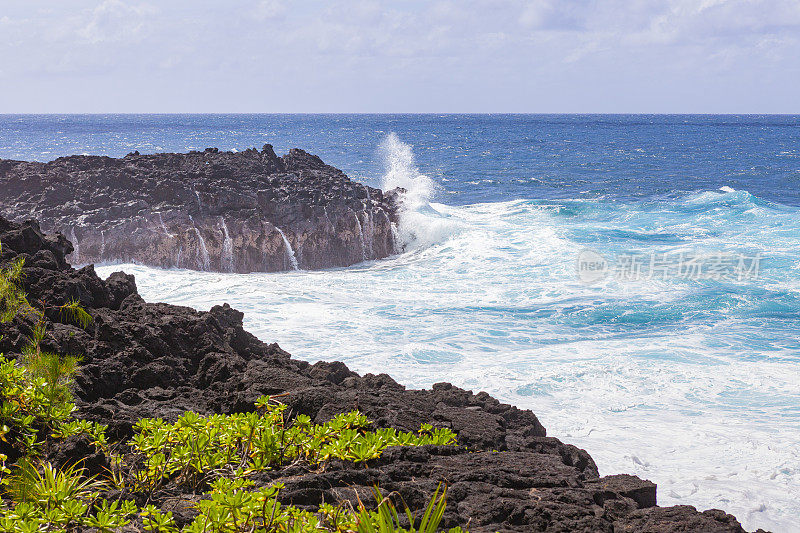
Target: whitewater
x,y
691,383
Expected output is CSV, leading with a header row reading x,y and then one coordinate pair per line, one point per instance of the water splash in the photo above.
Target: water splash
x,y
227,246
395,236
401,171
420,225
203,259
289,252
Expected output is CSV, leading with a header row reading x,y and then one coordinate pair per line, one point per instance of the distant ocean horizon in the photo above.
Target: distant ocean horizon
x,y
692,382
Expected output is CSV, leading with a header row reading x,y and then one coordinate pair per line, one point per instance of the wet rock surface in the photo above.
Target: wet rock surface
x,y
157,360
222,211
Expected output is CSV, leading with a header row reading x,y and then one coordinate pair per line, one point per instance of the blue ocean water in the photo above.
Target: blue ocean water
x,y
690,381
479,158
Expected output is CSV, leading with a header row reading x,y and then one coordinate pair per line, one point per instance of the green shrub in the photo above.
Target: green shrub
x,y
48,499
28,405
35,389
12,297
195,448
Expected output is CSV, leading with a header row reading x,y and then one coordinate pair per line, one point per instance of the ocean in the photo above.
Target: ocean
x,y
632,279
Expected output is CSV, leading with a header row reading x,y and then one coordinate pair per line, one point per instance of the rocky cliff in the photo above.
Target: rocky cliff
x,y
156,360
223,211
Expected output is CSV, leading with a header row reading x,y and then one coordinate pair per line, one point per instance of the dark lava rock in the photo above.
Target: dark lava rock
x,y
157,360
224,211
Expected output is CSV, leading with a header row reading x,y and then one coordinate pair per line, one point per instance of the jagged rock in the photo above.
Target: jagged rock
x,y
157,360
223,211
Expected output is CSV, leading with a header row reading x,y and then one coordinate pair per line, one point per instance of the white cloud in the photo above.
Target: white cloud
x,y
116,21
424,47
269,9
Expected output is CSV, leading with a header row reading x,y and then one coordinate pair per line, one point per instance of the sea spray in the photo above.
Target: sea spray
x,y
420,225
227,246
289,252
396,242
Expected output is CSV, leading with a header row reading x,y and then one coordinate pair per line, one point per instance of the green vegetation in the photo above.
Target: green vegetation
x,y
213,456
386,519
195,448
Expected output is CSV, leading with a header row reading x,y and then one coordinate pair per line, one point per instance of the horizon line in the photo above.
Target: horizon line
x,y
430,113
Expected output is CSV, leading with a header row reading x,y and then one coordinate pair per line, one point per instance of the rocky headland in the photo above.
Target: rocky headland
x,y
143,359
244,211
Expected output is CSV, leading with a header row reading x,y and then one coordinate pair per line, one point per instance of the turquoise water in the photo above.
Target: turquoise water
x,y
690,381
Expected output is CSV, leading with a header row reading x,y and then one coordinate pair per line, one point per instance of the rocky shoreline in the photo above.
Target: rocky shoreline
x,y
244,211
144,359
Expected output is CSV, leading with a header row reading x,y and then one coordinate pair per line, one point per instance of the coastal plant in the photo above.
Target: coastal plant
x,y
35,389
386,519
197,448
234,506
46,498
12,297
29,404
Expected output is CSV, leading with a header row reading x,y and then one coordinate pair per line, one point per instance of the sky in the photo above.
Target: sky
x,y
365,56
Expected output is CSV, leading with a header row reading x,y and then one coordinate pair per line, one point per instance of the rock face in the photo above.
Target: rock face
x,y
144,360
222,211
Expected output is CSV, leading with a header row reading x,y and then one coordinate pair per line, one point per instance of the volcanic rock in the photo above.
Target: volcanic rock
x,y
221,211
156,360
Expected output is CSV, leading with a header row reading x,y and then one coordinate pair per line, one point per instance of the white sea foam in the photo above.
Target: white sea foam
x,y
694,385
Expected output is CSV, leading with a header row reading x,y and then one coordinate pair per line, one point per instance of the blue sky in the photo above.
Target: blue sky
x,y
701,56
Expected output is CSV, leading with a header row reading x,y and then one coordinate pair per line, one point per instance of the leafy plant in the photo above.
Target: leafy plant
x,y
47,498
385,518
73,312
195,447
12,297
49,487
35,390
29,403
